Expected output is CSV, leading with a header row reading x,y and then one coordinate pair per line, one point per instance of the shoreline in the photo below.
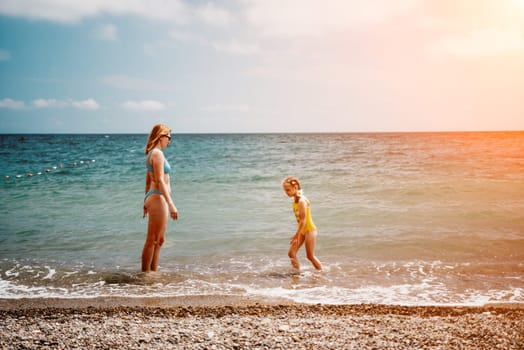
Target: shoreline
x,y
8,304
20,304
232,322
14,304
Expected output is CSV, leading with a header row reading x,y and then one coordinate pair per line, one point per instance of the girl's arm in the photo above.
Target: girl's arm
x,y
157,161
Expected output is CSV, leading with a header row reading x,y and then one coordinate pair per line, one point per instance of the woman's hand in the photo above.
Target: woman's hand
x,y
173,212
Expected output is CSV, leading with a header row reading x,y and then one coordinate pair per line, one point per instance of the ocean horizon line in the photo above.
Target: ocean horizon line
x,y
272,132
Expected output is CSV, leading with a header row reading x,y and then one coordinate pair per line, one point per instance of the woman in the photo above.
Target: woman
x,y
157,202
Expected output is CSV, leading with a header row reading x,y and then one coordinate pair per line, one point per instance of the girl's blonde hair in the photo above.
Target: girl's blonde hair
x,y
156,133
293,181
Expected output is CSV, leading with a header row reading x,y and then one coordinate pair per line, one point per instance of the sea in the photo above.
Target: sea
x,y
403,218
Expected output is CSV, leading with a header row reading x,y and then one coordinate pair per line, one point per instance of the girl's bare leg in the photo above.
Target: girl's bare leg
x,y
293,249
311,240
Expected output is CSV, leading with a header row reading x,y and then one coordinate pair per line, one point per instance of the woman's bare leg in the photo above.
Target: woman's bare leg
x,y
156,253
156,228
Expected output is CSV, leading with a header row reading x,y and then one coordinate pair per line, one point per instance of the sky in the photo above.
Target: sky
x,y
230,66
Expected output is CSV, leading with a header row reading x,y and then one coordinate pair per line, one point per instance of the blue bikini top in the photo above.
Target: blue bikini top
x,y
167,167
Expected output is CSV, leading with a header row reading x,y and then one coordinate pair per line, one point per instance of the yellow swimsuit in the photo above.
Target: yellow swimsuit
x,y
310,225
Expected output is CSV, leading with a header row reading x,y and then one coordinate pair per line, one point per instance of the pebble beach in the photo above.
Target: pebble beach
x,y
236,323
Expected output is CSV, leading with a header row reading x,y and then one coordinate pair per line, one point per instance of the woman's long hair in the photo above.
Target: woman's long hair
x,y
156,133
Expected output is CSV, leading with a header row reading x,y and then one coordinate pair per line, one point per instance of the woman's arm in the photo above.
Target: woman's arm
x,y
148,182
148,186
157,161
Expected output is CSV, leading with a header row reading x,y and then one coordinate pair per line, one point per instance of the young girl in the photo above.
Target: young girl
x,y
306,231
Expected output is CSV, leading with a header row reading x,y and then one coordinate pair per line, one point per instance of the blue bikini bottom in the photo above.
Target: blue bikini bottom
x,y
150,192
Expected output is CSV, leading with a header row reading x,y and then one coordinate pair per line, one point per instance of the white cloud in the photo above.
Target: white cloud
x,y
89,104
236,48
470,15
145,105
150,50
107,32
317,17
483,42
74,11
188,37
5,55
211,14
156,48
59,11
11,104
233,46
47,103
471,28
519,5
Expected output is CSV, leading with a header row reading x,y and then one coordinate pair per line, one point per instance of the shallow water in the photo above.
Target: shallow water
x,y
407,218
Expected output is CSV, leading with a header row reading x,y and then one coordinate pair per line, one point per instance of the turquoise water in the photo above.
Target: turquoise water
x,y
407,218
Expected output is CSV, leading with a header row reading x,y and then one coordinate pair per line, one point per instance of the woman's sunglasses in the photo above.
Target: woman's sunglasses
x,y
168,137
